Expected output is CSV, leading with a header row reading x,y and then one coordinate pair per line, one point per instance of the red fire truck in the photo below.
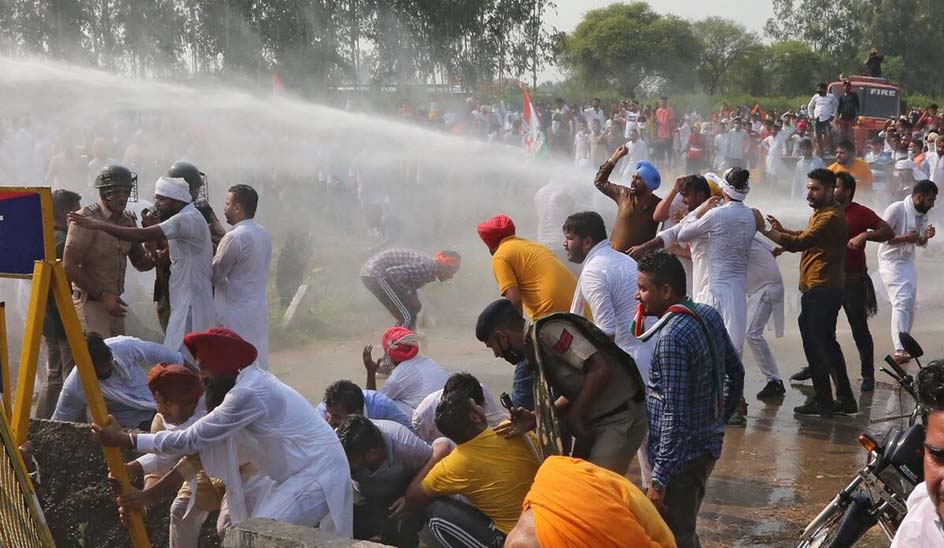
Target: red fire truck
x,y
879,101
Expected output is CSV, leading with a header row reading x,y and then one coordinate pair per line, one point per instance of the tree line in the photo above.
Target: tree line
x,y
308,43
632,50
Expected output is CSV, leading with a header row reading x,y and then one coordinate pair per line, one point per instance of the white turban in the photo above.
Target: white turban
x,y
174,188
909,165
728,189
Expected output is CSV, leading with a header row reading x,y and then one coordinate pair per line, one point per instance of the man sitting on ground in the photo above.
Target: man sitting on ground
x,y
384,457
119,363
424,418
287,440
414,376
493,473
345,398
577,504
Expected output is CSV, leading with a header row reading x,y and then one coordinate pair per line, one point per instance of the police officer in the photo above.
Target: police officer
x,y
95,262
196,180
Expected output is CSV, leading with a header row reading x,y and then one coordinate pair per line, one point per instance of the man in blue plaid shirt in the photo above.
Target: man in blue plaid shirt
x,y
695,383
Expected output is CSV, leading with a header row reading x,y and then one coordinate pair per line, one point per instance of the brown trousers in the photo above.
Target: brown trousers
x,y
59,365
683,497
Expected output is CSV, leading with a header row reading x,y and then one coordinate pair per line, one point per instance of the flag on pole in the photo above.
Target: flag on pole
x,y
531,126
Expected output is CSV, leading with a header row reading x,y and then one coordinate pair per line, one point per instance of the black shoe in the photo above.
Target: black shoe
x,y
812,407
772,390
846,407
868,384
802,375
737,419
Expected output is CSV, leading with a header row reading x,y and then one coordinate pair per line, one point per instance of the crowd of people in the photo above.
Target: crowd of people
x,y
625,332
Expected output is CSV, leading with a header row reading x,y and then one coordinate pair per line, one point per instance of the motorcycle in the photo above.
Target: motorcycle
x,y
880,490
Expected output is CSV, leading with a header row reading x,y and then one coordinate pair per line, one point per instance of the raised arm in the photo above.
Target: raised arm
x,y
601,181
129,234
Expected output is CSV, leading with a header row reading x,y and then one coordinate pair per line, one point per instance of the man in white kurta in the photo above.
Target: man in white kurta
x,y
191,254
125,389
241,272
276,429
424,418
729,231
765,296
896,257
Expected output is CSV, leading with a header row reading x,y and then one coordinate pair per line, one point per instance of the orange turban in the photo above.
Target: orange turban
x,y
578,504
496,229
400,344
447,260
175,383
220,350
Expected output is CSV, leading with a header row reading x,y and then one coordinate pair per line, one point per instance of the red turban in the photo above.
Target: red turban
x,y
400,344
496,229
220,350
175,383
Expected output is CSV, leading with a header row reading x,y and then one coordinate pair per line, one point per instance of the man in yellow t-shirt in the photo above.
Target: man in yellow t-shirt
x,y
491,472
528,274
846,161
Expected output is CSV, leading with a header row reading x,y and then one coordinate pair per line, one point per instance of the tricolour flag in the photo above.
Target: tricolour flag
x,y
531,126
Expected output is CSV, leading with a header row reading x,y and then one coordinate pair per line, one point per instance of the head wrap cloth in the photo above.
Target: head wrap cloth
x,y
221,350
175,383
496,229
174,188
400,344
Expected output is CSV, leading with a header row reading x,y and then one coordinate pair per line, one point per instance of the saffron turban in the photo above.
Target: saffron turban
x,y
447,260
175,383
221,350
578,504
174,188
496,229
400,344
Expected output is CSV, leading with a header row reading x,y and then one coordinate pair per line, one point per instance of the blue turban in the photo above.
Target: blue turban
x,y
649,174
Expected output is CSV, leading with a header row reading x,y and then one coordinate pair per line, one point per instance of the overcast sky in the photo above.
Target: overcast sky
x,y
750,13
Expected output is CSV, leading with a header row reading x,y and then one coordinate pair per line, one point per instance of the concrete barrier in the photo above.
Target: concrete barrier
x,y
266,533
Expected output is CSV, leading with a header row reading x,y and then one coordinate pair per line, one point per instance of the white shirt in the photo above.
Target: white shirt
x,y
281,435
126,392
191,256
935,167
698,248
413,380
804,166
903,218
638,152
240,277
823,107
921,527
764,278
424,418
406,454
608,284
730,229
590,114
554,202
632,122
153,463
736,144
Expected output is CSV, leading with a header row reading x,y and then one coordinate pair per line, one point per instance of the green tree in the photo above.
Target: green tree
x,y
723,42
832,27
623,45
793,68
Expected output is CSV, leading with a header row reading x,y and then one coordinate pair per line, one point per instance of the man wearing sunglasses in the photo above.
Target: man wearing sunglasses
x,y
95,261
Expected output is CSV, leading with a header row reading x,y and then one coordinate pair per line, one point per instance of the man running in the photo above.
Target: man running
x,y
896,257
394,276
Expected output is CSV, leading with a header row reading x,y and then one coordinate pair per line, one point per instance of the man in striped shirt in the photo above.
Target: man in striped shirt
x,y
395,275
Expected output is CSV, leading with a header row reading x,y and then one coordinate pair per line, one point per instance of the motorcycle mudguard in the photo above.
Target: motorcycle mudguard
x,y
907,453
855,522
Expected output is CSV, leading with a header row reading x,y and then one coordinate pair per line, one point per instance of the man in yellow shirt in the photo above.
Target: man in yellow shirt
x,y
578,504
846,161
493,473
528,274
